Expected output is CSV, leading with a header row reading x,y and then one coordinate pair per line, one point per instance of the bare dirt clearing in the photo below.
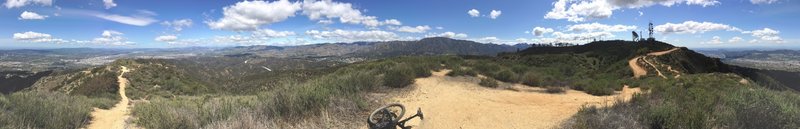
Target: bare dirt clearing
x,y
459,102
115,117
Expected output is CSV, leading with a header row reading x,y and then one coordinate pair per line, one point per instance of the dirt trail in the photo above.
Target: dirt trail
x,y
453,103
115,117
639,71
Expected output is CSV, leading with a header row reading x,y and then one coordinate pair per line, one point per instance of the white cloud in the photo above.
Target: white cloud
x,y
763,1
350,36
137,20
766,34
488,40
595,27
581,37
392,22
327,9
641,13
448,34
109,4
692,27
439,27
20,3
111,37
328,21
539,31
178,25
268,33
714,40
36,37
474,13
250,15
31,16
494,14
409,29
735,40
582,10
166,38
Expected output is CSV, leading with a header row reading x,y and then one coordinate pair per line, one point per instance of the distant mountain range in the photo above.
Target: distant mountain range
x,y
427,46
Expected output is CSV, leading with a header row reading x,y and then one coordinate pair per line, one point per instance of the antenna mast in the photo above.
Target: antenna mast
x,y
650,28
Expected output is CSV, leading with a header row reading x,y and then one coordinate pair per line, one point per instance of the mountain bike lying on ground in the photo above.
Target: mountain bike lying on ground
x,y
388,117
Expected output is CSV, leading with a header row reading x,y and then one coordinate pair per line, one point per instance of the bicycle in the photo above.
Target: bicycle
x,y
388,118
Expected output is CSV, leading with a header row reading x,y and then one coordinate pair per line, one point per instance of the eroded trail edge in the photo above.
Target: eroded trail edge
x,y
115,117
459,102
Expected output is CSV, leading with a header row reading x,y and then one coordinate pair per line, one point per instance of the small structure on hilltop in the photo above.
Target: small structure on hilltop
x,y
635,36
650,29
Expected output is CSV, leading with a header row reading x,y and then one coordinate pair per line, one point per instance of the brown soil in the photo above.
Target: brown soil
x,y
460,103
114,118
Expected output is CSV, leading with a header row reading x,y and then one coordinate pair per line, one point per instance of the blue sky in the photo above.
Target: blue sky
x,y
182,23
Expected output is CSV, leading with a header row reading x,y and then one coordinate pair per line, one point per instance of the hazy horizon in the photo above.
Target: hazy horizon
x,y
143,24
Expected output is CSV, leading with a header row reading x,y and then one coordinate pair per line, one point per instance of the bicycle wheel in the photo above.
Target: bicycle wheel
x,y
394,108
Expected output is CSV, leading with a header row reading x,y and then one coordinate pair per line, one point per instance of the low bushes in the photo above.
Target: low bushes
x,y
488,82
462,72
697,101
46,110
399,76
554,89
507,76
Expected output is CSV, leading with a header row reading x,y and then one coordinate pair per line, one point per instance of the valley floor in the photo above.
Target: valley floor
x,y
452,103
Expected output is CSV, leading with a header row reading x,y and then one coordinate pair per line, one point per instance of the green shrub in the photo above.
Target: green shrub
x,y
189,112
507,76
488,82
399,76
462,72
554,89
598,89
531,79
45,110
697,101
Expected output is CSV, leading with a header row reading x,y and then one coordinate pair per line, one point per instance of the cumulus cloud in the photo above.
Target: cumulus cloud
x,y
20,3
692,27
763,1
582,10
595,27
327,9
488,40
474,13
111,37
735,40
269,33
31,16
539,31
581,37
766,34
409,29
714,40
178,25
166,38
109,4
36,37
448,34
249,15
350,36
494,14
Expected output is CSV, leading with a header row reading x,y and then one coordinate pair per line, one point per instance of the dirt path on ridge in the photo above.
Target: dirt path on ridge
x,y
639,71
453,103
115,117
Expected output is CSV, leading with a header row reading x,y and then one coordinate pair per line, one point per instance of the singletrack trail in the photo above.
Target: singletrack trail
x,y
452,103
115,117
639,71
